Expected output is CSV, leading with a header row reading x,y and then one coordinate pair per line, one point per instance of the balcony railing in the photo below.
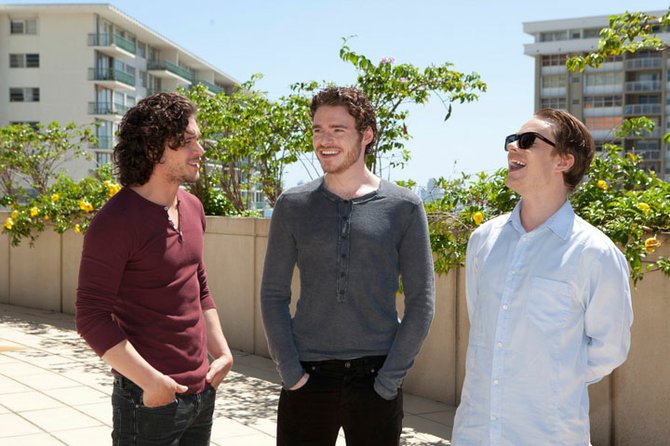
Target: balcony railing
x,y
642,109
106,108
647,62
553,91
643,86
171,67
104,39
603,111
211,87
111,74
603,89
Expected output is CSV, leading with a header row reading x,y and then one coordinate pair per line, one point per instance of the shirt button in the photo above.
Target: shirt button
x,y
347,365
499,344
505,307
495,381
493,418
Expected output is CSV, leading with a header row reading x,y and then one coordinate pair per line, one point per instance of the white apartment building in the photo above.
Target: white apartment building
x,y
87,63
624,87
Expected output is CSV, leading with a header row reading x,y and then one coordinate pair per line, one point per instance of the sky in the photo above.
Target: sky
x,y
292,41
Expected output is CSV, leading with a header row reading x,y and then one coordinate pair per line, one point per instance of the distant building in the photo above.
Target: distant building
x,y
624,87
88,63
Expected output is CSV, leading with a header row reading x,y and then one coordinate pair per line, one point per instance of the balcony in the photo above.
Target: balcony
x,y
107,108
166,69
112,78
211,87
606,66
554,69
553,92
114,46
643,63
104,143
603,89
636,86
642,109
602,111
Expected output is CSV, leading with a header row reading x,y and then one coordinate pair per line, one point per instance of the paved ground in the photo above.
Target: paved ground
x,y
55,391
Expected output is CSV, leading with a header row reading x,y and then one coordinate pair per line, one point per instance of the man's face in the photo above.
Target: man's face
x,y
337,143
183,164
537,169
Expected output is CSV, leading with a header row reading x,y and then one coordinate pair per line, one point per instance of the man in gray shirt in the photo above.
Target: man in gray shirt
x,y
344,354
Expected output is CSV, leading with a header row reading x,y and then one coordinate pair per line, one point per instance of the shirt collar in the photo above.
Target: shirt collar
x,y
560,223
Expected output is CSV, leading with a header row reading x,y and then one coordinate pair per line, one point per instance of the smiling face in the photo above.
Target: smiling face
x,y
337,144
538,169
182,165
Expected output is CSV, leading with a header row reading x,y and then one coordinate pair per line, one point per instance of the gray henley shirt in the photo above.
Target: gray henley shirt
x,y
350,254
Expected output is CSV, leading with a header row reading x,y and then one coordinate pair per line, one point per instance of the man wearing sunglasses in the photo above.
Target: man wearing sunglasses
x,y
548,300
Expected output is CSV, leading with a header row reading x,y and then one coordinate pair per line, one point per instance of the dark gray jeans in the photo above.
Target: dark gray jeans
x,y
185,422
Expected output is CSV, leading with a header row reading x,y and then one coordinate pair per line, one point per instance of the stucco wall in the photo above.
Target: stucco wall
x,y
628,408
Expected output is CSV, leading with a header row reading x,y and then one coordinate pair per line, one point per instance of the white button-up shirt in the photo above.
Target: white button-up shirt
x,y
550,312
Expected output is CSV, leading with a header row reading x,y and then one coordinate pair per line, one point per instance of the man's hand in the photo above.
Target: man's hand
x,y
162,392
301,382
218,369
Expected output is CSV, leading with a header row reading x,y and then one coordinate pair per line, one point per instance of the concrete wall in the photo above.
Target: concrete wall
x,y
628,408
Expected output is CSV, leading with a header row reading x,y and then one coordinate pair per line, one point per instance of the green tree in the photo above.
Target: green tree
x,y
392,88
249,140
627,33
32,157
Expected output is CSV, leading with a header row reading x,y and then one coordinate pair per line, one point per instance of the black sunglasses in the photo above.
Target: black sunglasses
x,y
526,140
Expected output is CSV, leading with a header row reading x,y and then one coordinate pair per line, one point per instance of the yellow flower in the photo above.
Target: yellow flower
x,y
85,206
631,156
34,211
112,188
15,214
54,198
644,207
478,218
603,185
77,228
9,223
46,217
651,244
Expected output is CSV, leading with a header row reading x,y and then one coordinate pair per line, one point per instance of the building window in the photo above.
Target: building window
x,y
24,60
102,158
611,78
552,60
32,124
23,26
141,49
553,36
591,33
24,95
554,81
603,101
559,103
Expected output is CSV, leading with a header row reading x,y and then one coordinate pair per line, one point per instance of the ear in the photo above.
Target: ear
x,y
368,136
565,162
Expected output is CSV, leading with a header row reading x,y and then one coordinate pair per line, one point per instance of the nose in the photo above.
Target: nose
x,y
200,147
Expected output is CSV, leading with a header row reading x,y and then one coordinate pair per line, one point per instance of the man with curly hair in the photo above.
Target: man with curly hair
x,y
343,355
143,303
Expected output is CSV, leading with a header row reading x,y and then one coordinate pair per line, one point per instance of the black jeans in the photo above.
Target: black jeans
x,y
339,394
185,422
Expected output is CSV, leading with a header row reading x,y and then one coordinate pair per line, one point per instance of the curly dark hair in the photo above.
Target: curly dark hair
x,y
358,105
144,131
572,137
